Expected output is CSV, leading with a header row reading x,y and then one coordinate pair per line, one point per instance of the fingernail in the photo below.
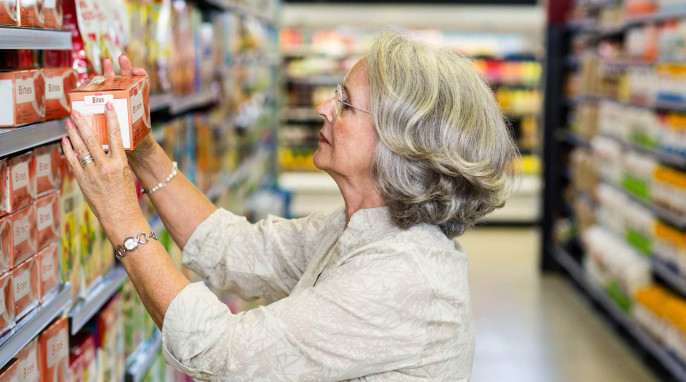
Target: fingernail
x,y
75,114
64,140
69,125
109,106
123,54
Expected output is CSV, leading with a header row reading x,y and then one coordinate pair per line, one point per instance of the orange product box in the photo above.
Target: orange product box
x,y
58,83
6,303
10,372
48,168
52,14
54,351
29,367
24,235
70,237
49,268
23,97
8,12
25,281
4,188
31,13
6,236
47,219
111,358
128,94
21,184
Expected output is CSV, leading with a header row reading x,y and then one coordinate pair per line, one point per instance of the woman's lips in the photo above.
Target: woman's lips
x,y
324,140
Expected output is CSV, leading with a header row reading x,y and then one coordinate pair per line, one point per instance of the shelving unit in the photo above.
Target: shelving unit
x,y
87,308
30,38
13,140
143,359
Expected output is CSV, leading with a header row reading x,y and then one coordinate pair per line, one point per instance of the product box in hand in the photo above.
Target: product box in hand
x,y
48,168
8,12
54,351
110,328
6,241
23,97
24,243
25,281
21,181
10,372
49,268
70,236
128,94
52,14
31,13
58,83
29,367
47,219
6,303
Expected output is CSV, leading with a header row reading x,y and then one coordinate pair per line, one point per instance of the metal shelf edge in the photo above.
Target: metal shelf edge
x,y
21,138
31,38
674,279
84,310
660,212
137,371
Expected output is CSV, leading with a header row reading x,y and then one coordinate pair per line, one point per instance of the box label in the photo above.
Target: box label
x,y
20,176
137,109
3,309
22,284
29,367
54,87
45,217
97,99
57,348
44,165
25,90
22,230
47,267
49,4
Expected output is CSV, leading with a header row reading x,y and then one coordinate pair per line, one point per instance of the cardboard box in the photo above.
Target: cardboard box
x,y
128,94
110,330
75,369
25,281
21,181
47,219
91,267
49,268
23,97
6,248
48,168
24,235
4,188
83,351
70,237
29,367
54,351
31,13
8,12
6,303
58,83
10,373
52,14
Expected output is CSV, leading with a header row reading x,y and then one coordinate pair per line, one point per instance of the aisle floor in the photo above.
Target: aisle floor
x,y
532,327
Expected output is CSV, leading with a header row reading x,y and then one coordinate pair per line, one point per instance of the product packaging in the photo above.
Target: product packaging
x,y
75,369
10,372
8,12
22,92
70,236
48,168
25,281
90,256
54,351
6,303
24,235
58,83
52,14
6,239
110,330
47,219
29,367
128,94
31,13
21,182
4,188
83,351
48,265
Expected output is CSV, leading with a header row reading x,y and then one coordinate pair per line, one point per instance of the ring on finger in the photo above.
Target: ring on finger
x,y
87,160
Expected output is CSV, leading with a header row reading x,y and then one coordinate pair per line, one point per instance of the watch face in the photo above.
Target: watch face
x,y
130,243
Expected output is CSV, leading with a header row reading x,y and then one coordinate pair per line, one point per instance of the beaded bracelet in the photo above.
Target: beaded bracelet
x,y
164,182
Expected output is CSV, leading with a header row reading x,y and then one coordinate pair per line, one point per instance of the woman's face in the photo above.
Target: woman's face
x,y
348,139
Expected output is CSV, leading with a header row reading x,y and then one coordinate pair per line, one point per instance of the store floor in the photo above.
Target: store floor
x,y
532,327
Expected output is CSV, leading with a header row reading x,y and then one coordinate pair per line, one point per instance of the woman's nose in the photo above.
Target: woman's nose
x,y
327,110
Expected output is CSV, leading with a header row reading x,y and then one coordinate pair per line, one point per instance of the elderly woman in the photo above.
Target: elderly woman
x,y
375,291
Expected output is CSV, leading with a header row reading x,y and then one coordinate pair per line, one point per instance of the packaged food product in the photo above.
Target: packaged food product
x,y
22,92
90,257
49,267
25,281
8,12
54,351
4,187
90,28
47,219
52,14
128,94
31,13
58,83
10,372
70,236
110,337
48,168
24,235
6,239
75,368
21,185
6,303
83,350
29,368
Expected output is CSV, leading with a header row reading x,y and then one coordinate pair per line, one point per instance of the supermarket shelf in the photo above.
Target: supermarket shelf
x,y
649,18
243,10
31,325
84,310
660,353
321,80
663,157
573,139
144,359
17,139
669,276
182,104
668,216
29,38
160,102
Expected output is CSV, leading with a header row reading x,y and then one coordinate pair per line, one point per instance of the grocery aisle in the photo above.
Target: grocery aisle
x,y
533,327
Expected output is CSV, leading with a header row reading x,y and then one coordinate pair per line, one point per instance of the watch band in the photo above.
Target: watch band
x,y
132,243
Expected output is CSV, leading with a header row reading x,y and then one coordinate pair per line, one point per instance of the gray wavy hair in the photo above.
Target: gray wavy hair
x,y
445,155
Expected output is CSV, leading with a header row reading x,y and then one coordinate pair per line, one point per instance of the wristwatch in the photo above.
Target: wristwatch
x,y
132,243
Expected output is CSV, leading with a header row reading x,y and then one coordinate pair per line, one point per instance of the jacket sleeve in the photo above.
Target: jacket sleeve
x,y
265,259
367,316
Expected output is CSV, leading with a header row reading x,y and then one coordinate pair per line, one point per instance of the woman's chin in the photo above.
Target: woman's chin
x,y
318,161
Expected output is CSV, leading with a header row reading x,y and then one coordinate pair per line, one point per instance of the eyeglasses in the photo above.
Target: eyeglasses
x,y
341,103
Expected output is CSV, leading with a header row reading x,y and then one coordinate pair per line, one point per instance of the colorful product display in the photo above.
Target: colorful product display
x,y
49,268
26,287
54,351
21,186
24,239
7,303
23,92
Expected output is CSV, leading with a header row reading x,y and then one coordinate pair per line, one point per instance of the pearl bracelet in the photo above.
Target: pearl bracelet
x,y
164,182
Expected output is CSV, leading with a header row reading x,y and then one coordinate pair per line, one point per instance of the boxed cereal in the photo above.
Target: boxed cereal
x,y
25,281
6,239
54,351
47,219
8,12
6,303
58,83
52,14
29,368
10,372
128,94
31,13
21,184
22,92
24,235
49,268
48,168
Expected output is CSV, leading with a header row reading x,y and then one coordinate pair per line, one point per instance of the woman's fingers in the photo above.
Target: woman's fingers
x,y
71,156
89,141
114,133
108,67
125,65
79,148
139,72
